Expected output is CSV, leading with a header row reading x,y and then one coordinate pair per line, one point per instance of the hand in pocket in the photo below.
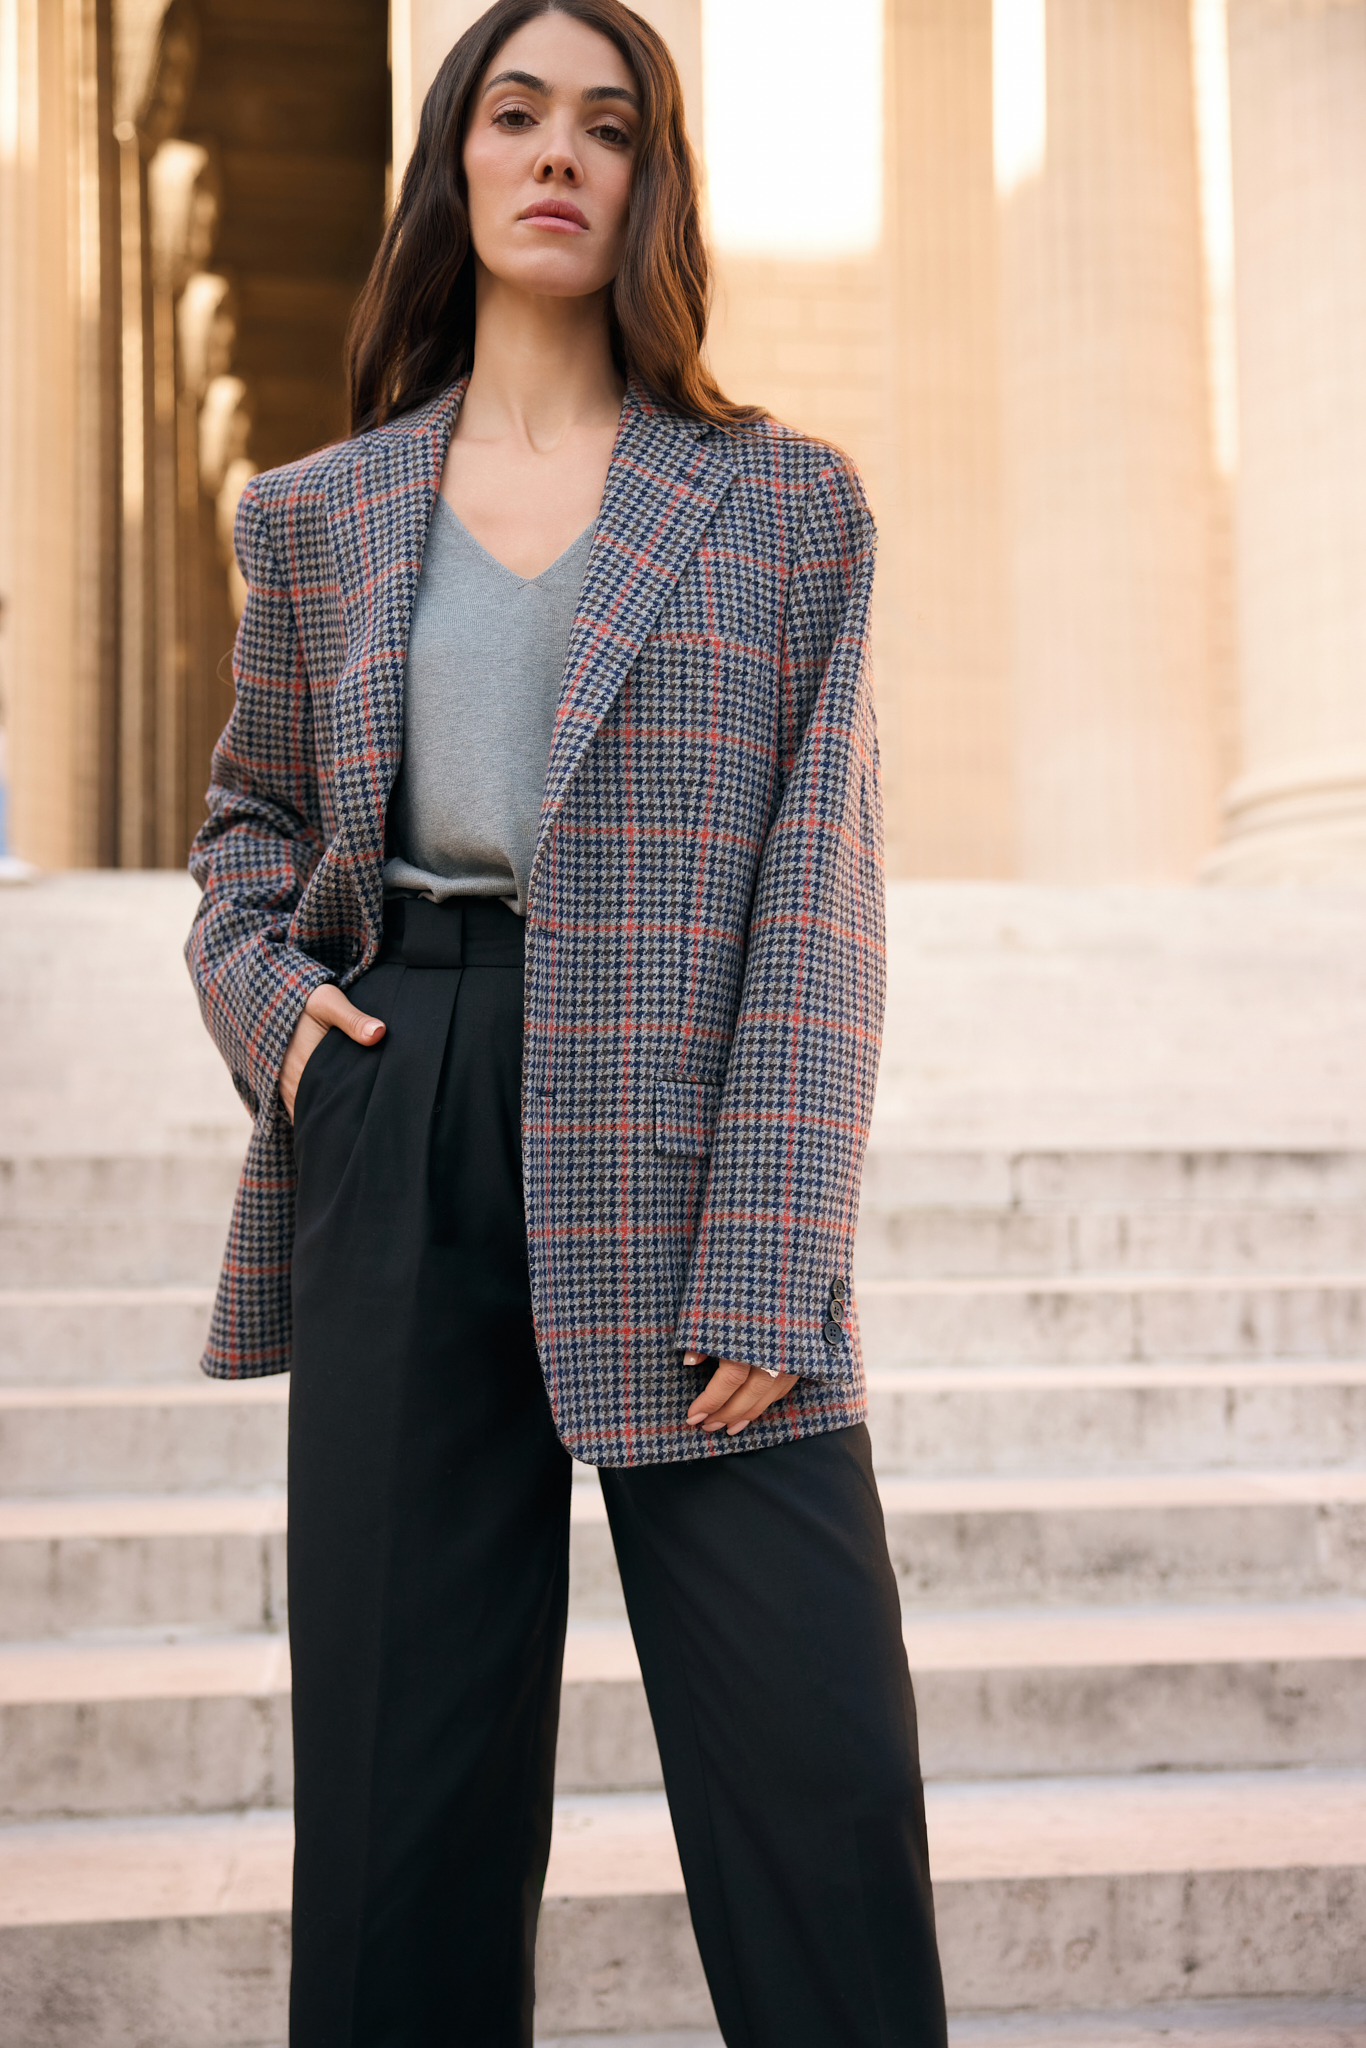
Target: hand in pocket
x,y
327,1009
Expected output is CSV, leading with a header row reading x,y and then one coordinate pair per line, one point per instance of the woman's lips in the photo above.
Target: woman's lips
x,y
558,215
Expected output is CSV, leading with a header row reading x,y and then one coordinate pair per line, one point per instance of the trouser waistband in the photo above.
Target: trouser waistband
x,y
464,931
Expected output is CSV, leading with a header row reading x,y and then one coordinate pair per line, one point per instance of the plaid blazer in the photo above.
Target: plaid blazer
x,y
705,940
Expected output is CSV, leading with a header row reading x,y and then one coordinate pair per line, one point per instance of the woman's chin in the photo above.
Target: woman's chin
x,y
547,273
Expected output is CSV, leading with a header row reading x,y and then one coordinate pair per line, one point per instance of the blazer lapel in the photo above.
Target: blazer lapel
x,y
379,509
666,478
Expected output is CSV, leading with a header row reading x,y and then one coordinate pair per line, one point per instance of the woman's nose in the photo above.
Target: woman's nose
x,y
557,164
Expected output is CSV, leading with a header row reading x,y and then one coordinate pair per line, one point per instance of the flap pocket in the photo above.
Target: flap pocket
x,y
685,1117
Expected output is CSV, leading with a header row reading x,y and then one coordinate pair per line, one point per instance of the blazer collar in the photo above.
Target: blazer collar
x,y
665,481
379,506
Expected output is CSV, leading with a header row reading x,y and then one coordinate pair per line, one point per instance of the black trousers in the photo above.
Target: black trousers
x,y
428,1589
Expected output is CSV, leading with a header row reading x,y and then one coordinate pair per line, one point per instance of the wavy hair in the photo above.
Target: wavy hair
x,y
412,331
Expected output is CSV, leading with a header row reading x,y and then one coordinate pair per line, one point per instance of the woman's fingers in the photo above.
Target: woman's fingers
x,y
327,1009
759,1393
734,1395
730,1376
328,1006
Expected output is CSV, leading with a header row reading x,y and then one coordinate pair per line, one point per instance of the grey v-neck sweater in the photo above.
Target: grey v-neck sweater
x,y
486,653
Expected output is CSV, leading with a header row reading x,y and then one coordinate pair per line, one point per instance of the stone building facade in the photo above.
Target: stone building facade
x,y
1093,664
192,196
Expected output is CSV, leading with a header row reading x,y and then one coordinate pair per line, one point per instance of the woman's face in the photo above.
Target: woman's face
x,y
549,153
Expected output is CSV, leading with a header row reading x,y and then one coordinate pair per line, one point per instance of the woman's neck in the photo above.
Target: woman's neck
x,y
543,367
533,441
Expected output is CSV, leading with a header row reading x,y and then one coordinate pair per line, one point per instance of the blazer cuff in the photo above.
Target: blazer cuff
x,y
298,975
823,1349
252,1017
706,1351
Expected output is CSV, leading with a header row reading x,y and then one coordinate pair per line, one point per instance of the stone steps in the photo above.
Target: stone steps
x,y
203,1435
77,1336
1025,1692
1099,1418
1212,2023
1081,1181
135,1726
151,1249
141,1190
142,1219
902,1174
992,1541
928,1420
201,1724
206,1560
108,1251
135,1334
1042,1243
145,1220
133,1220
1107,1319
216,1560
1119,1891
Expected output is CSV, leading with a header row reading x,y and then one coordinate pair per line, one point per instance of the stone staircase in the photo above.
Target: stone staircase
x,y
1119,1411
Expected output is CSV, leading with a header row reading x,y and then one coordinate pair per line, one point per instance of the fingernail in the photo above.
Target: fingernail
x,y
369,1031
692,1358
736,1427
693,1421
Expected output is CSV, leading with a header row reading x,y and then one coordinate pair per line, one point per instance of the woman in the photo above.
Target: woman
x,y
554,749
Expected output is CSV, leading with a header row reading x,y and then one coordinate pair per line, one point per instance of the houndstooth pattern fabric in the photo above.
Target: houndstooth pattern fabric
x,y
705,942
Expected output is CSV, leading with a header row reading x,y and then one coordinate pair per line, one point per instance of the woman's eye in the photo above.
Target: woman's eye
x,y
608,131
513,117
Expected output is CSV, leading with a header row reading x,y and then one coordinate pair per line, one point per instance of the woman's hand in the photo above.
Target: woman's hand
x,y
734,1395
326,1010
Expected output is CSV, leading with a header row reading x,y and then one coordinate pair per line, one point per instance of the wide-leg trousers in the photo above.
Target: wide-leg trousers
x,y
428,1591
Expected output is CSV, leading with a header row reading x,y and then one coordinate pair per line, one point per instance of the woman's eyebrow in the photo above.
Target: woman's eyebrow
x,y
526,78
590,94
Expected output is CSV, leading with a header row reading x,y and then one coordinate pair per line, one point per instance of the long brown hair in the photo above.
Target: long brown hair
x,y
412,331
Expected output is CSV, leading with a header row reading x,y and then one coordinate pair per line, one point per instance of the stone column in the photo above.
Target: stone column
x,y
943,704
158,50
1108,459
58,354
1298,83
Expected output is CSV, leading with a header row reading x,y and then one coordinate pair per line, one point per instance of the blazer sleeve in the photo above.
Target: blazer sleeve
x,y
263,835
781,1205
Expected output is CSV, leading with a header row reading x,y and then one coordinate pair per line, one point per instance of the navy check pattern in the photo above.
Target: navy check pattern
x,y
705,938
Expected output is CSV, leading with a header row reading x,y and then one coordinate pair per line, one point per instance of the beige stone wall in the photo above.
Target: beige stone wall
x,y
809,342
1109,474
1298,75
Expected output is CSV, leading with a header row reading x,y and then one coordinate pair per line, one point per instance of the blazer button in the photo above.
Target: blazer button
x,y
838,1290
832,1334
836,1310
